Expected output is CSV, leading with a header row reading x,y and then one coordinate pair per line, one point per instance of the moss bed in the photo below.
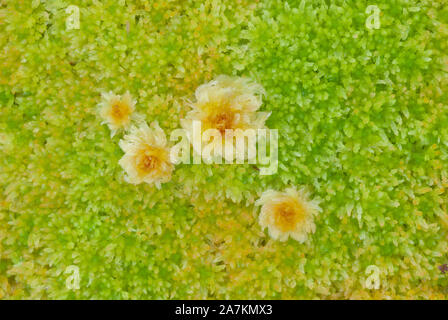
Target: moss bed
x,y
362,117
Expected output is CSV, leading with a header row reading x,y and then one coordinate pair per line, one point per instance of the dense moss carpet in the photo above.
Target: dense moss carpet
x,y
362,117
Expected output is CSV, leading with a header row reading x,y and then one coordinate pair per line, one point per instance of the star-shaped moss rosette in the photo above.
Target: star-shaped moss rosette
x,y
117,111
225,103
288,214
147,155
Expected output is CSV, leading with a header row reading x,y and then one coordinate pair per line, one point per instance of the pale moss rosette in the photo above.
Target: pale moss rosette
x,y
288,214
117,111
147,155
226,103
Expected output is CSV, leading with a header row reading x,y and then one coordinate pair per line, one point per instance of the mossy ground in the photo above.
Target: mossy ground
x,y
362,117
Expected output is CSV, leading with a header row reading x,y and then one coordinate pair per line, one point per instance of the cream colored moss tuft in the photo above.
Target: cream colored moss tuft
x,y
117,111
226,103
288,214
147,155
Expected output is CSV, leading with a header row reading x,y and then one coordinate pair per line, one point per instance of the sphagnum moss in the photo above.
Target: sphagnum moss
x,y
288,214
117,111
147,155
362,119
225,103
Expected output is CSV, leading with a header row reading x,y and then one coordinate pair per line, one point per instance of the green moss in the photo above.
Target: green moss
x,y
362,118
